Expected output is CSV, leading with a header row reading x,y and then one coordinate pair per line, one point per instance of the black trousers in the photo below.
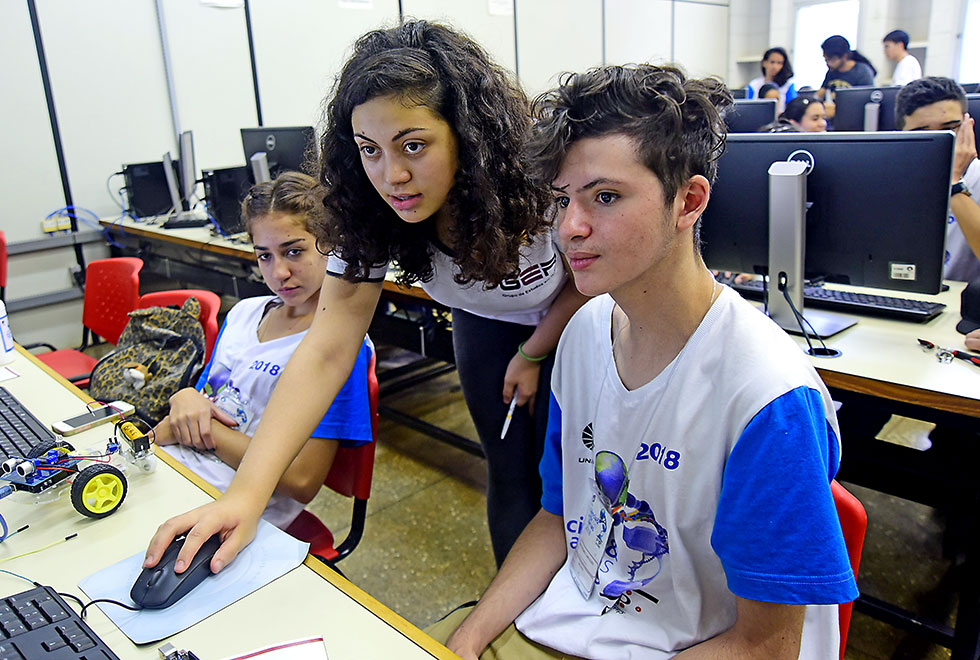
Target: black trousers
x,y
483,349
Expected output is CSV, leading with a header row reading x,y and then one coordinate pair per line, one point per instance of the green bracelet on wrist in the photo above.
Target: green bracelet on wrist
x,y
520,351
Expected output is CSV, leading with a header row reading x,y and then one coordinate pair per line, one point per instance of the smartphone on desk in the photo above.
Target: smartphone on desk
x,y
104,413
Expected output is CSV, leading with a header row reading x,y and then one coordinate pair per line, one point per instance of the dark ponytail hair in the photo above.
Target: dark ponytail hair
x,y
838,46
796,108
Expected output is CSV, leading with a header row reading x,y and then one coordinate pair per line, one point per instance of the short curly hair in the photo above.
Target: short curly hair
x,y
676,122
926,91
494,201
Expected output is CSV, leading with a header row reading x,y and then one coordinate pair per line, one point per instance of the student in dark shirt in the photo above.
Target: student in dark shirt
x,y
845,68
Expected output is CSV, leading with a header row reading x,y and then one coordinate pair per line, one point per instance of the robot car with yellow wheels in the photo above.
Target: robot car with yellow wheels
x,y
98,487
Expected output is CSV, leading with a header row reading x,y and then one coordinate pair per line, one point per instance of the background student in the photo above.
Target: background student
x,y
935,103
845,68
423,155
804,114
777,70
695,519
907,68
209,427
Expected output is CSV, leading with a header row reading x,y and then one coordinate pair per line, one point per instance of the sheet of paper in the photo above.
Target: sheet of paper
x,y
272,554
300,649
6,373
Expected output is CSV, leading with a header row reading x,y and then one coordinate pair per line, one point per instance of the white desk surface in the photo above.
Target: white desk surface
x,y
883,357
310,600
199,237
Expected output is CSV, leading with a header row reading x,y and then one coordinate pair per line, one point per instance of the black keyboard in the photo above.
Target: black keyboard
x,y
903,309
20,431
185,223
39,625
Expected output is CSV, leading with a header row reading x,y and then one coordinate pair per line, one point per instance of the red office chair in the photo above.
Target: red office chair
x,y
3,267
112,291
350,475
210,304
854,523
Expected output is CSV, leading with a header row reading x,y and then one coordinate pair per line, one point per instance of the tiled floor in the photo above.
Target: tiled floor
x,y
426,548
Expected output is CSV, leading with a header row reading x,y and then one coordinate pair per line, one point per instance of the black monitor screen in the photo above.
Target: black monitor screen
x,y
286,148
749,115
875,200
739,92
970,88
849,115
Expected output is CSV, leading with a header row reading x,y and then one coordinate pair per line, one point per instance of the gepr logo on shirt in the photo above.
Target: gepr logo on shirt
x,y
530,275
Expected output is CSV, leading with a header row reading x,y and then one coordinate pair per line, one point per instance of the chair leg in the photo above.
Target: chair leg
x,y
332,565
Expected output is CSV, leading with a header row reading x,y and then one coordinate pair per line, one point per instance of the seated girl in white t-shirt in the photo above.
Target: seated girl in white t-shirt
x,y
210,426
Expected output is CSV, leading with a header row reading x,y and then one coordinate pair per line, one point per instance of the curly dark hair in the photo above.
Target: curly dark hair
x,y
676,122
926,91
291,192
495,203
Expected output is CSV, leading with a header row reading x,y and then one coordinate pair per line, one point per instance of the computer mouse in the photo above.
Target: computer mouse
x,y
160,587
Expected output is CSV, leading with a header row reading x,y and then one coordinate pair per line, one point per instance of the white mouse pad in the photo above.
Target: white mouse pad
x,y
272,554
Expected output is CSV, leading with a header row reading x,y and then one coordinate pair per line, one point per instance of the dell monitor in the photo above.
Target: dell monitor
x,y
865,108
749,115
875,206
285,148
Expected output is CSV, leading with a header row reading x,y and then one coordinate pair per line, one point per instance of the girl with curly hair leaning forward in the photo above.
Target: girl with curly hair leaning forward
x,y
422,157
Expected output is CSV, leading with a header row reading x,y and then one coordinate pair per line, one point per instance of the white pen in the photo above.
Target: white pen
x,y
510,414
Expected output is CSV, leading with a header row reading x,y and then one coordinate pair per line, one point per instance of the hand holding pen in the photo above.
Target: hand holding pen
x,y
510,414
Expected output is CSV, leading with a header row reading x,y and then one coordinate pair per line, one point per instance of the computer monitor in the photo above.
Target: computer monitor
x,y
738,92
865,108
749,115
876,206
970,88
285,148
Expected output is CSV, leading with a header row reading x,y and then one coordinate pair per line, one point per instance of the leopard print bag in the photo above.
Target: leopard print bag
x,y
160,352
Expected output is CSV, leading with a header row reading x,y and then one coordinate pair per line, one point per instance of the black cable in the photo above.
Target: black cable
x,y
73,597
107,600
800,319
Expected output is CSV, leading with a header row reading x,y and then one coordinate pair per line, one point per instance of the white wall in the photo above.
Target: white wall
x,y
105,59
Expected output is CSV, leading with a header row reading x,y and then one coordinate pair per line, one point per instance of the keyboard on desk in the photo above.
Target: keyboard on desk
x,y
39,625
20,431
903,309
185,223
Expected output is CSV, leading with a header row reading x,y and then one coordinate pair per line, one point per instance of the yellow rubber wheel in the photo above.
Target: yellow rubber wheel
x,y
98,490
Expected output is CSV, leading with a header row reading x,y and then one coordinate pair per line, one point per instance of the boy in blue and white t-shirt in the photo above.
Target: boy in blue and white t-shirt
x,y
687,509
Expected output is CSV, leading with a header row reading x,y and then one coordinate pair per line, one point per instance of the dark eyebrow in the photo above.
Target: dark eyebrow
x,y
558,188
403,133
596,182
955,123
281,245
364,137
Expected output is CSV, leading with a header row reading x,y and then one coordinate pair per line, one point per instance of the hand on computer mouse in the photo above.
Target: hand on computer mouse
x,y
161,586
972,340
236,524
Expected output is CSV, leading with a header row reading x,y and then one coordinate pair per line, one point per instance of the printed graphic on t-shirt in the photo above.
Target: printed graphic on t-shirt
x,y
531,278
637,543
222,391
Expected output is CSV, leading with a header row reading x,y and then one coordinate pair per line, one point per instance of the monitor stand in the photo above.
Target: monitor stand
x,y
872,111
787,239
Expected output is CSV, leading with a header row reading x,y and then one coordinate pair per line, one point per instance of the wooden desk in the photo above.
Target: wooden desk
x,y
883,370
310,600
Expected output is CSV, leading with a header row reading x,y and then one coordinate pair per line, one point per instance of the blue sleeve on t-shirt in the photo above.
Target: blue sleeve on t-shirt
x,y
776,530
349,417
791,92
550,466
203,380
749,92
